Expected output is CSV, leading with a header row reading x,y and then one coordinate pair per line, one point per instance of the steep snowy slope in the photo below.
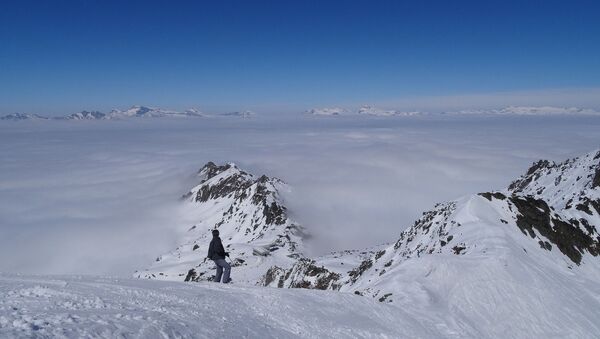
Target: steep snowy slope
x,y
86,307
251,218
518,263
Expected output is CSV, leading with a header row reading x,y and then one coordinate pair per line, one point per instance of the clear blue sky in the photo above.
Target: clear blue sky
x,y
58,56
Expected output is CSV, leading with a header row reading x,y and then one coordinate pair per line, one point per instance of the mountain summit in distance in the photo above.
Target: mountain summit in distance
x,y
135,111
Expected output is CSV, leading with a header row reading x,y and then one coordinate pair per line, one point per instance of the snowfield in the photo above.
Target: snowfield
x,y
84,307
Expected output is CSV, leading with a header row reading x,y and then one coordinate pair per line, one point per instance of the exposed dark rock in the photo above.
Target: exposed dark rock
x,y
229,185
295,276
532,173
589,228
424,224
385,296
584,208
595,204
357,272
212,170
545,245
458,249
301,284
274,214
567,236
271,275
596,180
538,165
490,195
327,281
195,247
191,275
379,254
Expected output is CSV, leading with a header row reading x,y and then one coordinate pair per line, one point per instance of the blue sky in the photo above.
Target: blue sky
x,y
64,56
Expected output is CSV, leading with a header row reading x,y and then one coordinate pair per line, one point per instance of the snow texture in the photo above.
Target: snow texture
x,y
87,307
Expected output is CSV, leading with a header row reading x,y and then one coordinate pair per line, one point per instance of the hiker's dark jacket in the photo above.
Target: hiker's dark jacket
x,y
216,250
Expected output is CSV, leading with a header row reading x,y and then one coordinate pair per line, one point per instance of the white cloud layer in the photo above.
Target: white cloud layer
x,y
101,197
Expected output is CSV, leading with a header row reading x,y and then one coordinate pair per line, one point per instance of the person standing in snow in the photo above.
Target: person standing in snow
x,y
217,253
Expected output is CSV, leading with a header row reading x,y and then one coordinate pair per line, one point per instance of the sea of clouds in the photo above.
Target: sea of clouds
x,y
102,197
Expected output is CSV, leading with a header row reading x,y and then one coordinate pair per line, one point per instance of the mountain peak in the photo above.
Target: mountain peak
x,y
327,111
251,217
572,182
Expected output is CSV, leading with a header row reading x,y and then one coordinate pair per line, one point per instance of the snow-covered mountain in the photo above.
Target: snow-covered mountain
x,y
132,112
85,115
371,110
512,260
529,110
151,112
365,110
22,116
252,220
327,111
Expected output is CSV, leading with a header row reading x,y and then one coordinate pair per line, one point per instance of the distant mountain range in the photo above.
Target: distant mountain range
x,y
363,110
132,112
368,110
23,116
531,110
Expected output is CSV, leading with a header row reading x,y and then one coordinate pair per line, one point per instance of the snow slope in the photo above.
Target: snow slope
x,y
518,263
86,307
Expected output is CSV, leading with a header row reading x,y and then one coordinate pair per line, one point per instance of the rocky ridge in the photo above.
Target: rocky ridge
x,y
252,220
